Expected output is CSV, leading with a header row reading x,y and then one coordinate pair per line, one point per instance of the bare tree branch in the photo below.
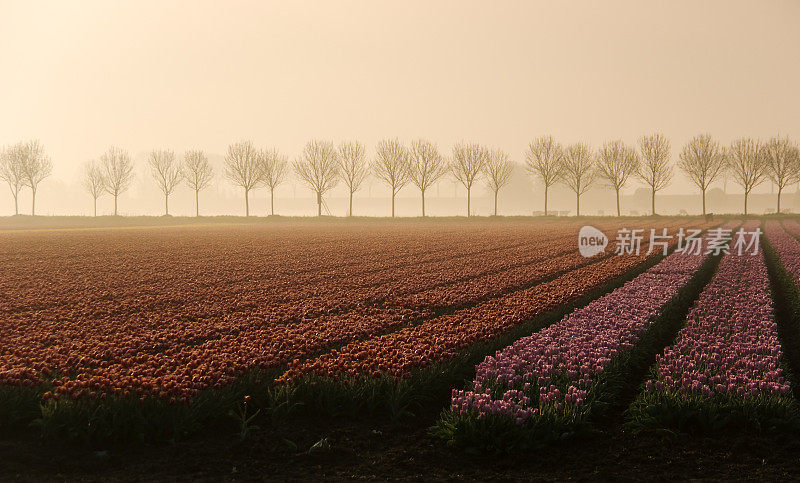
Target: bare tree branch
x,y
241,169
747,164
93,181
117,172
654,168
545,160
274,168
318,168
497,172
12,161
425,166
703,160
616,163
36,166
166,172
198,173
579,171
353,168
467,165
391,165
783,164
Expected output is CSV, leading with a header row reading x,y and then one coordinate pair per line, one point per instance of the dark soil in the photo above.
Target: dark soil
x,y
384,450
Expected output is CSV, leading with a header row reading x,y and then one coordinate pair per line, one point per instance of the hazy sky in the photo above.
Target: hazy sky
x,y
81,76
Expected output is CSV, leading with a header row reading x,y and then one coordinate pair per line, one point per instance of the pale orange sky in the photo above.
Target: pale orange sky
x,y
82,75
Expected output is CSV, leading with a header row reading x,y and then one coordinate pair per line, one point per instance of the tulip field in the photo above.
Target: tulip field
x,y
503,330
725,367
551,380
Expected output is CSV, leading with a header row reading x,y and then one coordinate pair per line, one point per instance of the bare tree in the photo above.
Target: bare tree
x,y
545,159
579,171
467,165
11,170
654,168
497,172
93,181
391,165
616,163
36,166
318,168
703,160
746,163
198,174
274,167
166,171
783,164
425,166
117,170
353,168
241,169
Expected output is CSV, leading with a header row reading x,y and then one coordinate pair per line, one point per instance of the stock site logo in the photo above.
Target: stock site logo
x,y
591,241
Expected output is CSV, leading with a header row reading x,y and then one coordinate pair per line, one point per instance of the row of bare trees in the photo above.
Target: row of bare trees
x,y
113,174
615,164
24,164
748,162
322,165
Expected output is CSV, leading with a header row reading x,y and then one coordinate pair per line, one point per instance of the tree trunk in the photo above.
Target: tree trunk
x,y
745,202
469,191
33,202
272,201
115,204
545,200
246,202
166,204
618,212
351,205
653,202
196,203
392,202
423,203
319,204
578,204
780,188
495,202
16,203
704,202
95,207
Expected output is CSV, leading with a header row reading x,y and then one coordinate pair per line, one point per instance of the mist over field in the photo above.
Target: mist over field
x,y
171,75
522,197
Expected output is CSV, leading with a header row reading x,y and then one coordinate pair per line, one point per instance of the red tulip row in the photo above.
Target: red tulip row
x,y
159,328
206,279
556,257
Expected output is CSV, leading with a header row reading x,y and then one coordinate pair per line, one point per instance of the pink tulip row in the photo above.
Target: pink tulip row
x,y
790,225
554,370
787,246
729,345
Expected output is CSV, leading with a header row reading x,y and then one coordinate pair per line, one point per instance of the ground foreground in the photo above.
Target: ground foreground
x,y
349,349
383,450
